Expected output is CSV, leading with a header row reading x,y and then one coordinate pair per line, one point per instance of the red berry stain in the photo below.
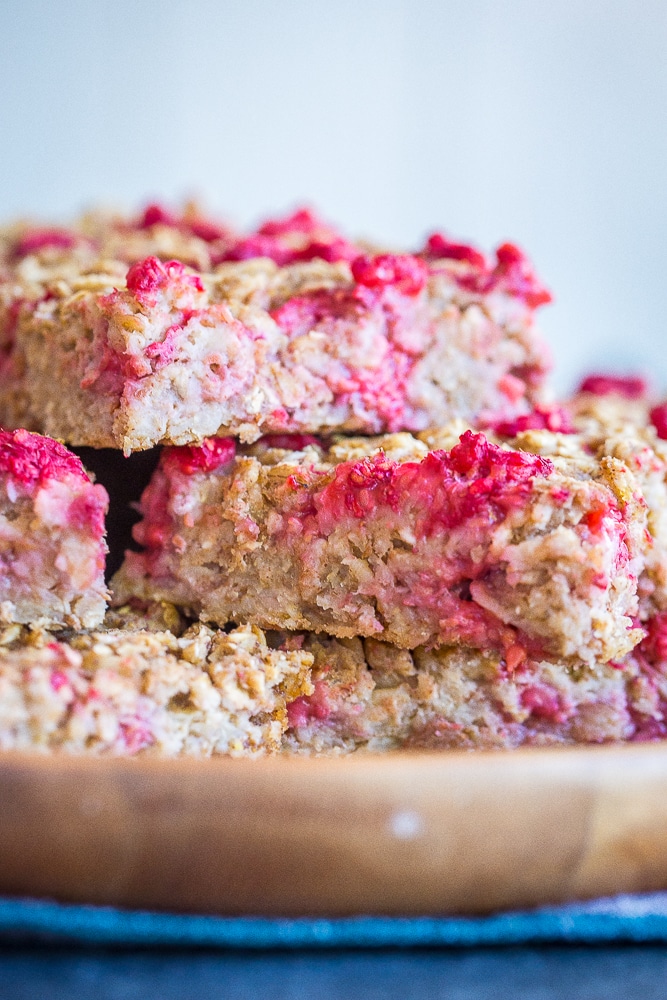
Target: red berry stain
x,y
31,459
209,455
631,387
553,418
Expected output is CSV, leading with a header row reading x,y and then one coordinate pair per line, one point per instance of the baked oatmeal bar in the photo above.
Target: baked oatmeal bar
x,y
369,696
472,544
170,355
52,537
130,691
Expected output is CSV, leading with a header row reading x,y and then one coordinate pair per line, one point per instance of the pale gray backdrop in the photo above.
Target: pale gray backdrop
x,y
544,123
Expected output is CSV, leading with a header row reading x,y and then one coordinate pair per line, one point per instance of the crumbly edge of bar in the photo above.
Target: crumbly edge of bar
x,y
123,691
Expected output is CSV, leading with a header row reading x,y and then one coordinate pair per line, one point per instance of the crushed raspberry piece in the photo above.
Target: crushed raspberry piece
x,y
303,220
58,679
514,656
257,245
542,702
474,478
30,458
209,455
151,275
631,386
154,215
553,418
438,247
204,229
309,708
38,239
289,442
136,734
475,457
658,417
654,644
407,273
648,729
514,274
162,352
595,518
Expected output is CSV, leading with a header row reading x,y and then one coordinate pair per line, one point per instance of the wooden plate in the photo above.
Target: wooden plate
x,y
401,833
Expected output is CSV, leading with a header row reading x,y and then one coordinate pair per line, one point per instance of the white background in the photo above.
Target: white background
x,y
542,123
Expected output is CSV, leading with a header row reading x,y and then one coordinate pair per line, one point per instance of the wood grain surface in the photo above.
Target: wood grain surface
x,y
402,833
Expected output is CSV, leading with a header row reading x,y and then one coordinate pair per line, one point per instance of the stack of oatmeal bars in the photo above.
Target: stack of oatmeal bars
x,y
368,525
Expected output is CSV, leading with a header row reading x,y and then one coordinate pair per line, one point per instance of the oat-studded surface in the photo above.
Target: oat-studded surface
x,y
52,535
369,696
129,691
477,545
613,426
166,354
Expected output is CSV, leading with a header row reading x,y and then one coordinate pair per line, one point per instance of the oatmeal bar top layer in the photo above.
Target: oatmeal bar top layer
x,y
52,537
169,355
471,544
134,691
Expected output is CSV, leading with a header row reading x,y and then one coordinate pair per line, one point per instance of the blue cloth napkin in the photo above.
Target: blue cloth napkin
x,y
622,918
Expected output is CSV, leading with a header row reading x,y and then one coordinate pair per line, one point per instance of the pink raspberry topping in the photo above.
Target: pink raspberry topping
x,y
35,240
438,247
209,455
658,417
552,418
631,386
512,272
151,275
300,236
449,487
403,271
280,251
30,458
